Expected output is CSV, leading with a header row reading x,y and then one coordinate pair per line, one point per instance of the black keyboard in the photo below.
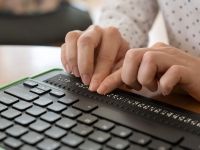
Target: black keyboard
x,y
59,113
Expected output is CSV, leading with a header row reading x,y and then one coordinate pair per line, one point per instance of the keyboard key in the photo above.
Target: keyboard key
x,y
89,145
191,143
32,138
30,83
140,139
71,113
121,131
72,140
22,105
82,130
44,88
37,91
43,101
68,100
27,147
136,147
4,124
3,107
21,93
48,144
104,125
139,124
55,132
7,99
118,144
66,123
36,111
11,113
2,136
85,106
177,148
99,136
50,117
87,119
159,145
16,131
25,119
14,143
40,126
57,93
57,107
65,148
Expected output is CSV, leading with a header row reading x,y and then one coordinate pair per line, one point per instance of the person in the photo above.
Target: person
x,y
113,53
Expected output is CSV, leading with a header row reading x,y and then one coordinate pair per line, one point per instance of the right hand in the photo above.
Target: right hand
x,y
93,54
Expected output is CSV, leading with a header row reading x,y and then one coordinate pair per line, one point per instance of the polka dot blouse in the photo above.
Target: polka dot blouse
x,y
134,19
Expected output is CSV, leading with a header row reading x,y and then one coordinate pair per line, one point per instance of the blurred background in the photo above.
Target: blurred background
x,y
46,22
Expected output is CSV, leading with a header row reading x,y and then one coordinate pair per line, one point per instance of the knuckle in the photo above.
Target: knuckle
x,y
85,40
71,35
159,44
176,69
132,55
149,57
113,31
95,28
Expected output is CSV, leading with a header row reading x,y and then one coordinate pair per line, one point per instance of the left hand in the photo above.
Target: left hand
x,y
160,66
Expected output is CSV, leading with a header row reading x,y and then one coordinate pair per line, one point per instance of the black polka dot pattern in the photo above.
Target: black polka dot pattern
x,y
134,19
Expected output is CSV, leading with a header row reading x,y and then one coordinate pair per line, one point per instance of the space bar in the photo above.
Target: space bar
x,y
137,123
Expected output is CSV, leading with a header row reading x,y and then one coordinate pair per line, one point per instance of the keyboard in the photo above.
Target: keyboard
x,y
55,111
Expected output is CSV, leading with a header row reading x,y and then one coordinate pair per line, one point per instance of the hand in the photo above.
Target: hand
x,y
160,66
93,54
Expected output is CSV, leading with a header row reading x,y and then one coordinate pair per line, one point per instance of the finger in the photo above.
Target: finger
x,y
153,63
63,58
106,56
70,51
159,45
176,74
87,43
123,49
110,83
130,67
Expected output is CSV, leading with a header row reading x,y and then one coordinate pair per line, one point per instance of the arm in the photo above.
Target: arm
x,y
133,18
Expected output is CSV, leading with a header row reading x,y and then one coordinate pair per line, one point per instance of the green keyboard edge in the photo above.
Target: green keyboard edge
x,y
34,76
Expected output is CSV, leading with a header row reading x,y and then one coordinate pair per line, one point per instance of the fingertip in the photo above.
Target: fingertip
x,y
103,90
76,72
86,79
93,86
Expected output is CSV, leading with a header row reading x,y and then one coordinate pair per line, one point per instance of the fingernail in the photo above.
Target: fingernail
x,y
86,79
93,86
102,90
76,72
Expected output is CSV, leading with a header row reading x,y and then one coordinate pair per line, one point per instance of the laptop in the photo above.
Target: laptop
x,y
56,111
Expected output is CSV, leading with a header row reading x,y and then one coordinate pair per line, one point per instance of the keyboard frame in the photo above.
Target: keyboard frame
x,y
40,78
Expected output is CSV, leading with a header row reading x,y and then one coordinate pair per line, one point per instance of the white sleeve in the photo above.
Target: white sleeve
x,y
133,18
